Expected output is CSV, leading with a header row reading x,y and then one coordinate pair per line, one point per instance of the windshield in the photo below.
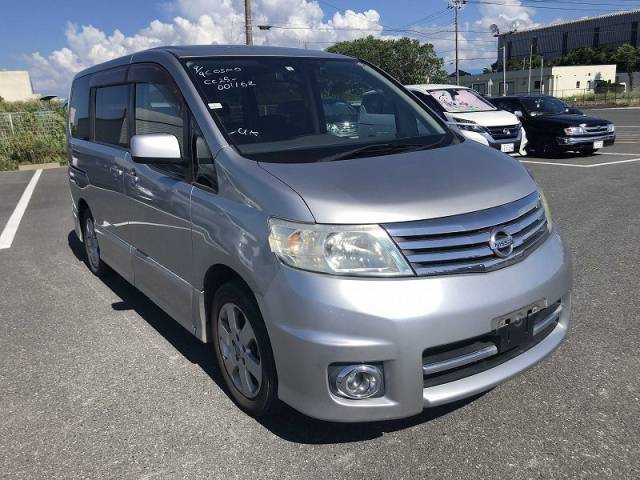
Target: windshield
x,y
459,100
543,106
308,109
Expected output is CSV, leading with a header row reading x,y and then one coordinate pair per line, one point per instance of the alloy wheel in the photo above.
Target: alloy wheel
x,y
91,243
239,348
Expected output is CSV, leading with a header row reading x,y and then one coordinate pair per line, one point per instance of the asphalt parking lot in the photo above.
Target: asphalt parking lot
x,y
96,381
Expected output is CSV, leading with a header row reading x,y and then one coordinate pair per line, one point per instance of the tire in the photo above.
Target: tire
x,y
548,149
242,352
91,246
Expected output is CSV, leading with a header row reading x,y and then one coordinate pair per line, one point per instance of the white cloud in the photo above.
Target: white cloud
x,y
194,23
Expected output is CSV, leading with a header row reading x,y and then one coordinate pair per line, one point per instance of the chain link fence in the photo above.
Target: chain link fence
x,y
31,137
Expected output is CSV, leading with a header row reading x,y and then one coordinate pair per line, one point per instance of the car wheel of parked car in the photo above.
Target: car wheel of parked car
x,y
243,349
91,246
548,149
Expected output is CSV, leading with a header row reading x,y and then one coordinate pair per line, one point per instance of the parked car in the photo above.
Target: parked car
x,y
476,118
341,117
355,278
554,127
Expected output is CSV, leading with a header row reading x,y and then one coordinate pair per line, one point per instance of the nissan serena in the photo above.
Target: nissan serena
x,y
355,272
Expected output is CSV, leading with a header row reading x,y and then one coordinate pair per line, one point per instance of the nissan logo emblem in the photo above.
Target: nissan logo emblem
x,y
501,243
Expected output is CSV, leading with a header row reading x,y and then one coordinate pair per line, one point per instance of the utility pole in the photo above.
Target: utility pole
x,y
456,5
247,22
530,60
541,71
504,71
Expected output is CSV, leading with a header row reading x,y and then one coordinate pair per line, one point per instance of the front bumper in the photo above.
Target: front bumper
x,y
316,320
570,142
488,140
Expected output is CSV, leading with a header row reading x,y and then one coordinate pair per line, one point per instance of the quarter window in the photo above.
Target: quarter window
x,y
111,124
204,166
79,109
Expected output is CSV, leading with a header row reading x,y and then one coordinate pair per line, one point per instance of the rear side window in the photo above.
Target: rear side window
x,y
111,124
79,109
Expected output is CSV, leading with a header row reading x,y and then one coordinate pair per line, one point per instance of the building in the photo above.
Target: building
x,y
557,81
555,41
15,86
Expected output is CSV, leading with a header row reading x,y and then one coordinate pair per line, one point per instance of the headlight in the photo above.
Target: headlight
x,y
363,250
547,212
611,128
575,130
472,126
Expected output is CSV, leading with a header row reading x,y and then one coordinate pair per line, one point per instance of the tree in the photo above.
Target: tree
x,y
406,59
627,57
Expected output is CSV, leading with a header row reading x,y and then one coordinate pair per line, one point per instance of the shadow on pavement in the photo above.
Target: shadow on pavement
x,y
288,424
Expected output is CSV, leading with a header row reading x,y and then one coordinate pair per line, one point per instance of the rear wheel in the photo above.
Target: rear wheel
x,y
91,246
243,350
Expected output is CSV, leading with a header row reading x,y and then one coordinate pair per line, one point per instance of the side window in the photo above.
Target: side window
x,y
159,109
79,109
204,167
111,124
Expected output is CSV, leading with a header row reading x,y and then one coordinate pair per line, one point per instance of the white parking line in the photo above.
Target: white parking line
x,y
10,229
616,153
582,166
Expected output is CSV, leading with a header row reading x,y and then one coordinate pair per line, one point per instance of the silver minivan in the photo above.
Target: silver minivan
x,y
339,247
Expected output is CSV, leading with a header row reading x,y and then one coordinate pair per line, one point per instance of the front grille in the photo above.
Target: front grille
x,y
504,132
448,363
597,129
461,243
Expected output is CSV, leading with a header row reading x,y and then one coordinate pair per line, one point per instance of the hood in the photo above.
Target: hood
x,y
569,120
492,118
457,179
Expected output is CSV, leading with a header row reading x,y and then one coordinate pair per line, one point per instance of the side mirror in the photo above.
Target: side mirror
x,y
518,113
156,148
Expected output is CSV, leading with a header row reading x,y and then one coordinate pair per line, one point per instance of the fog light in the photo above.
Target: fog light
x,y
359,381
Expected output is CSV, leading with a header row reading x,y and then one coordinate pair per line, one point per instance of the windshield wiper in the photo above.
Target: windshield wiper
x,y
379,149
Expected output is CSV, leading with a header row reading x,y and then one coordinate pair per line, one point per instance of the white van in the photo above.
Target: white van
x,y
475,117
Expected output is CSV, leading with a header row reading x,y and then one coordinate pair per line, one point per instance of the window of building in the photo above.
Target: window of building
x,y
634,34
578,84
111,125
565,43
534,45
596,37
79,109
589,85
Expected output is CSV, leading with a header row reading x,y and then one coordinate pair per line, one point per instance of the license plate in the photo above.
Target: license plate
x,y
506,147
598,144
516,328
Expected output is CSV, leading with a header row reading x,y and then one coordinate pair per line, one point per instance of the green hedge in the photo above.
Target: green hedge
x,y
37,134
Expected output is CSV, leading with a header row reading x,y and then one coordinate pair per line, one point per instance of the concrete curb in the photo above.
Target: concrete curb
x,y
38,166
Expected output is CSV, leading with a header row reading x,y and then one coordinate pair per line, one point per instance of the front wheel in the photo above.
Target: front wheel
x,y
243,350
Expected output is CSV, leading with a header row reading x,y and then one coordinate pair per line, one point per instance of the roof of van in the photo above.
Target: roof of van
x,y
244,50
186,51
433,86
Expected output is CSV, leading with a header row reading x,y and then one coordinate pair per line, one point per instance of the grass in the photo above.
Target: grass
x,y
36,137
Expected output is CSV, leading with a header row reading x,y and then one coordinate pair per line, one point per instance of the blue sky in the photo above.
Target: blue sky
x,y
52,39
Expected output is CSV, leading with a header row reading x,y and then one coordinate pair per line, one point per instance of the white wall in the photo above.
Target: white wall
x,y
15,86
